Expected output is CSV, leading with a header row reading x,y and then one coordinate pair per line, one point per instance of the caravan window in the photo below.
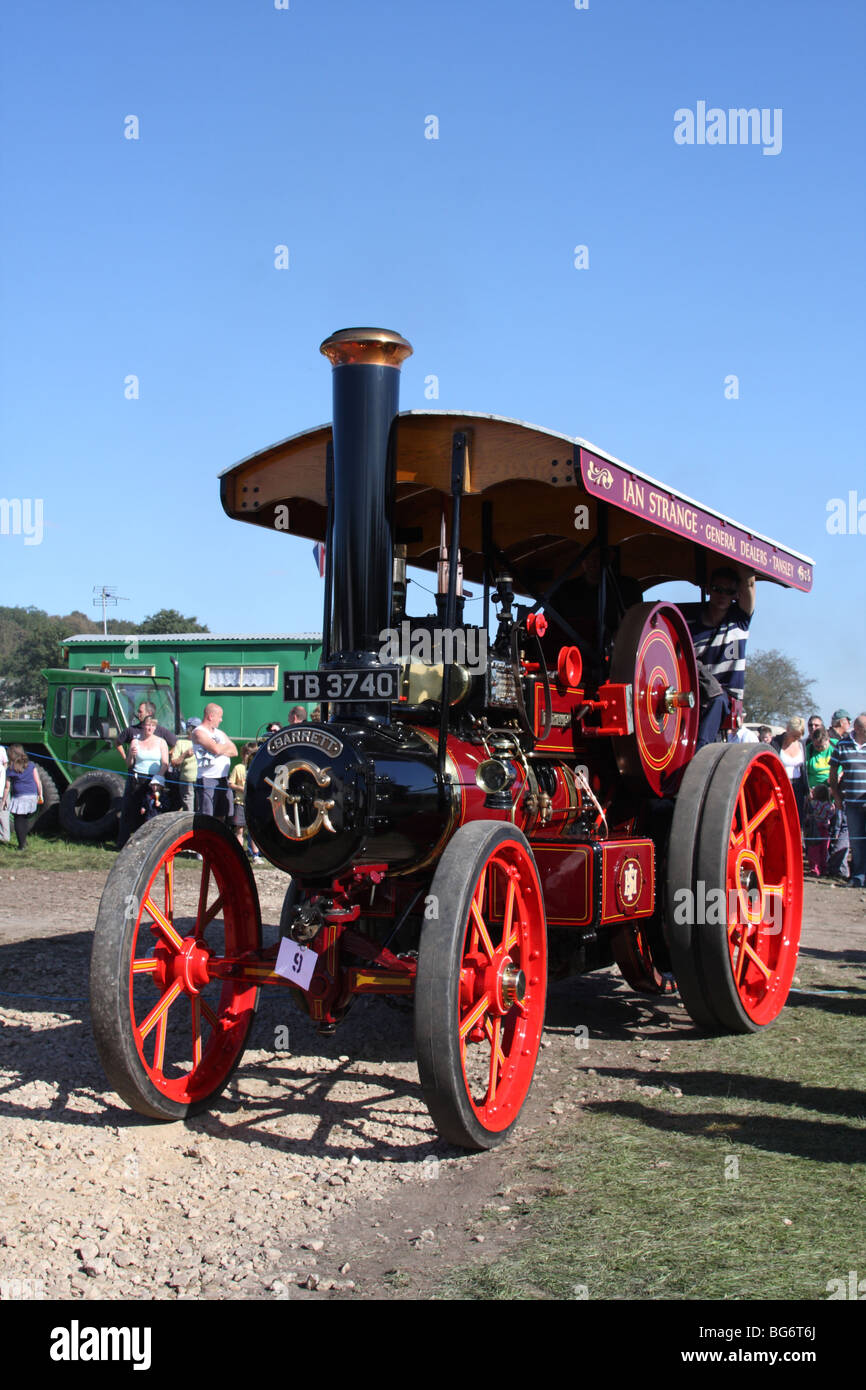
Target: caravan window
x,y
218,678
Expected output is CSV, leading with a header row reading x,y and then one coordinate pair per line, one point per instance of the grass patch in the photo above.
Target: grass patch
x,y
52,853
748,1186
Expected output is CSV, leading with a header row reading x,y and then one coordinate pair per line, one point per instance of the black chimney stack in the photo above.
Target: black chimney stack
x,y
366,363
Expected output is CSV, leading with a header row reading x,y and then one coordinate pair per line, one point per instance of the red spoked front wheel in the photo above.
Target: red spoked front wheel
x,y
169,1022
481,984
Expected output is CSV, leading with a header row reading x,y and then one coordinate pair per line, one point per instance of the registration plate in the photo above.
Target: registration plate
x,y
380,684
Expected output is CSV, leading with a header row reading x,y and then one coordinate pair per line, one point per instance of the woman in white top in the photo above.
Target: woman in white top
x,y
149,754
789,747
149,765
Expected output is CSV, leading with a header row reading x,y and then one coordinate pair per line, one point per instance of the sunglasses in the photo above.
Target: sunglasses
x,y
717,589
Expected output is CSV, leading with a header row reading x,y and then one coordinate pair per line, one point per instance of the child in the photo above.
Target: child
x,y
237,782
819,824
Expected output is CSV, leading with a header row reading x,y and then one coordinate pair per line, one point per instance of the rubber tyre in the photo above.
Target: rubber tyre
x,y
122,998
456,972
46,820
748,967
681,937
90,806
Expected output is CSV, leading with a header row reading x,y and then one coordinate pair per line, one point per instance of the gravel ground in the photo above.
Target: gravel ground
x,y
319,1154
100,1203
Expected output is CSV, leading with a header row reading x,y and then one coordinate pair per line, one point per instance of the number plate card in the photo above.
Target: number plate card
x,y
295,963
379,684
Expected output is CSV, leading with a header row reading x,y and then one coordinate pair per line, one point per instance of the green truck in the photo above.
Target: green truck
x,y
240,671
88,704
74,744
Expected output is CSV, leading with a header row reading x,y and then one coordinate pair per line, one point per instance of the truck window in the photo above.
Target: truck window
x,y
61,710
91,714
78,716
100,717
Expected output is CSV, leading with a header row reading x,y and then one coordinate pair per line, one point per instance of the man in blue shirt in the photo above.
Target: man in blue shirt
x,y
848,761
719,629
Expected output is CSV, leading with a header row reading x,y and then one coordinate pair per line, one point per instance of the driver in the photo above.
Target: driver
x,y
720,628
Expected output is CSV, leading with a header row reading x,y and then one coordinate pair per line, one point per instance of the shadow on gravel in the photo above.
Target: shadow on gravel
x,y
53,1049
818,1139
611,1011
335,1128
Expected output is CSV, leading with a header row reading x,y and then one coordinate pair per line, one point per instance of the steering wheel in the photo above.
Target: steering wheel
x,y
528,724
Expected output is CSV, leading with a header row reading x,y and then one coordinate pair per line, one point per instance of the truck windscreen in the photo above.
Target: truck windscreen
x,y
131,693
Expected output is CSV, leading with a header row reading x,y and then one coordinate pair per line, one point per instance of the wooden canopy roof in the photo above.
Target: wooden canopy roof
x,y
536,480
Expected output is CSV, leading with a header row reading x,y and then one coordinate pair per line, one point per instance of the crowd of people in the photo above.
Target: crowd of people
x,y
188,772
827,770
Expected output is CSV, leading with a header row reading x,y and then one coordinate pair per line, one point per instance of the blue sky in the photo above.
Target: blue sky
x,y
306,127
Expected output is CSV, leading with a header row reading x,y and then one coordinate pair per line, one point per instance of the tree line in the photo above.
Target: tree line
x,y
31,639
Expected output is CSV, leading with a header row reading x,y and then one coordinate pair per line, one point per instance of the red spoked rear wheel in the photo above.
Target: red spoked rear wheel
x,y
481,985
653,653
170,1027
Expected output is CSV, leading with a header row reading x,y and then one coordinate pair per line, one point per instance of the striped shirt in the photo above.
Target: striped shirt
x,y
722,649
849,757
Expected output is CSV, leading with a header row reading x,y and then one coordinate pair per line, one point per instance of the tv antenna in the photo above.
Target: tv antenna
x,y
104,595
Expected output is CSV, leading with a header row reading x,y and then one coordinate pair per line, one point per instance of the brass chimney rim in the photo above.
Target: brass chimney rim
x,y
376,347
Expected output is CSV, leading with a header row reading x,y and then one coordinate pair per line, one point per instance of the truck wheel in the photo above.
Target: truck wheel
x,y
481,985
170,1024
746,897
47,817
91,804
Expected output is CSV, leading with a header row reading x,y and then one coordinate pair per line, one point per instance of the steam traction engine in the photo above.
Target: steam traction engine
x,y
473,813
